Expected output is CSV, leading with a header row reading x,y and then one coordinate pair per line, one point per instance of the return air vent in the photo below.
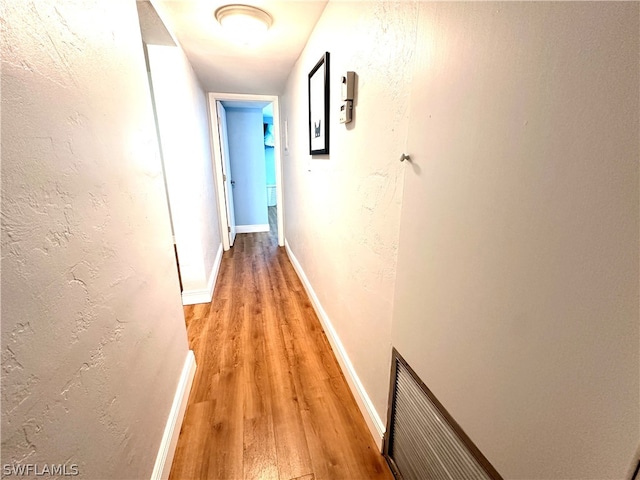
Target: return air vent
x,y
423,441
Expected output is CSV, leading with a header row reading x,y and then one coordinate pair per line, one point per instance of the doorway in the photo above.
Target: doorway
x,y
270,192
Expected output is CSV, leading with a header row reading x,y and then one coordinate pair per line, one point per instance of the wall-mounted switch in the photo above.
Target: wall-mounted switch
x,y
348,81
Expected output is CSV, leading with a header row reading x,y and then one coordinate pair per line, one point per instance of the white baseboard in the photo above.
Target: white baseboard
x,y
375,424
191,297
252,228
169,441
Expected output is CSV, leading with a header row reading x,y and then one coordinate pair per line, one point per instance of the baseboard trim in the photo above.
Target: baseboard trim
x,y
192,297
375,424
252,228
169,441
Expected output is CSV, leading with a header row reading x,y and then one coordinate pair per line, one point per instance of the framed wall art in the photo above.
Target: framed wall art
x,y
319,107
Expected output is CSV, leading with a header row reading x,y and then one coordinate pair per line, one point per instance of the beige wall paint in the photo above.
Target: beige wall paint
x,y
343,211
183,122
517,284
93,336
518,296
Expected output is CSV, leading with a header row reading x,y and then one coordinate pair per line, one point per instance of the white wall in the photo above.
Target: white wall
x,y
530,159
93,336
517,281
186,147
247,163
343,211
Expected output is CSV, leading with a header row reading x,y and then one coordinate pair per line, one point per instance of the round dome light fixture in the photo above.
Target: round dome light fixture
x,y
245,24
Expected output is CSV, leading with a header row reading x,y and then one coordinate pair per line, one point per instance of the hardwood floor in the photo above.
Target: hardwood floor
x,y
269,400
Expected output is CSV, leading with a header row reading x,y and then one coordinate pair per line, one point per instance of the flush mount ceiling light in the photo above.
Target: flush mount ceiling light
x,y
244,23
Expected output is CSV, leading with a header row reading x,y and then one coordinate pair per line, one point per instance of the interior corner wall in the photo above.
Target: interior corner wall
x,y
93,335
183,121
343,218
247,162
343,209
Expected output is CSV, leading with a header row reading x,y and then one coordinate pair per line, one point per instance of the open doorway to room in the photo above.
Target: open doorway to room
x,y
246,144
270,164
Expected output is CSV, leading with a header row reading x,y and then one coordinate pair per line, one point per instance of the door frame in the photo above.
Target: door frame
x,y
217,158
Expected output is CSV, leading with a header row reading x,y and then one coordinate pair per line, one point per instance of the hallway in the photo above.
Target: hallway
x,y
268,400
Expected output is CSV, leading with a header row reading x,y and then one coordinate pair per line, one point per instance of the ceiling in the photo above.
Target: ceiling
x,y
225,67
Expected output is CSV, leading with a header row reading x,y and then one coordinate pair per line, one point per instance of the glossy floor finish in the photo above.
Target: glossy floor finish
x,y
269,400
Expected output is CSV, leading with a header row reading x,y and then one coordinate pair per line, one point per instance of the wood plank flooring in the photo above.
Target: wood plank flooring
x,y
269,400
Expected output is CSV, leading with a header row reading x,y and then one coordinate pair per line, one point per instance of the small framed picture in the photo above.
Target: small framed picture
x,y
319,107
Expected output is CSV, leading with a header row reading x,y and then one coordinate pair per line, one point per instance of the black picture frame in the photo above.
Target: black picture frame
x,y
319,107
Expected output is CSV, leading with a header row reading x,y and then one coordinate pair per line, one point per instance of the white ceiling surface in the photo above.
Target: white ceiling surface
x,y
225,67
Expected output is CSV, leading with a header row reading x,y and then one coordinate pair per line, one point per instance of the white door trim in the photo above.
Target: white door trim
x,y
225,162
217,160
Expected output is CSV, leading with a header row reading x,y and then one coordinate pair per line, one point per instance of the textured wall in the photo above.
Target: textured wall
x,y
517,280
247,163
181,107
93,337
516,296
343,210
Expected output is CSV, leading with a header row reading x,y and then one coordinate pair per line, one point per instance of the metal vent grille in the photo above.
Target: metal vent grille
x,y
424,442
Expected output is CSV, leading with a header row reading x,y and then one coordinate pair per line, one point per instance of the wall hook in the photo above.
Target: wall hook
x,y
405,157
